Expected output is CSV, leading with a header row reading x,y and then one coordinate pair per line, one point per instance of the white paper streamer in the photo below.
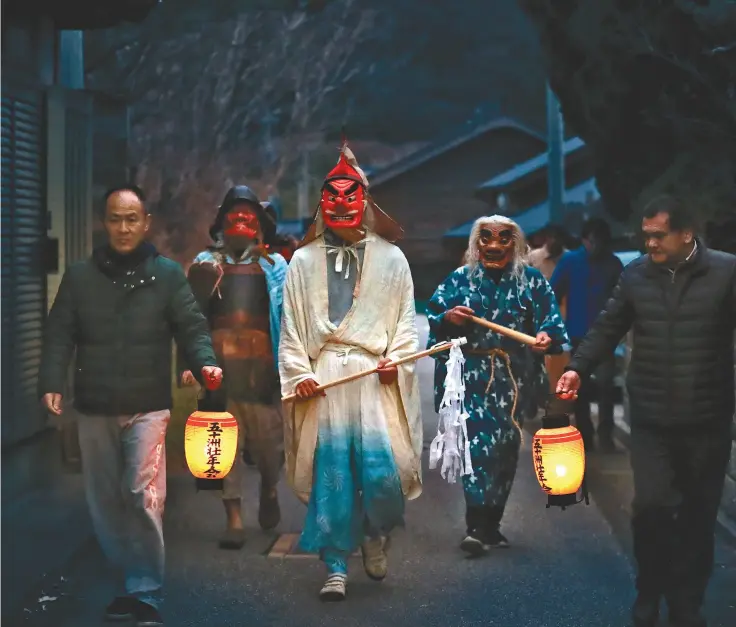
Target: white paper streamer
x,y
451,444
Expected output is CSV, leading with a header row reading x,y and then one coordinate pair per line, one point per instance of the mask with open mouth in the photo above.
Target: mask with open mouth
x,y
496,246
343,197
241,225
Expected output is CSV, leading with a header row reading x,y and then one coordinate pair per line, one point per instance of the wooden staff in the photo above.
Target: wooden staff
x,y
442,346
514,335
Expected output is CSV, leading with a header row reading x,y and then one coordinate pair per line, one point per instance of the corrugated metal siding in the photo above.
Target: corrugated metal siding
x,y
23,247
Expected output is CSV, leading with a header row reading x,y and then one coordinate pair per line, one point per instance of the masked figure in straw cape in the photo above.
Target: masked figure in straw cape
x,y
352,451
496,284
238,285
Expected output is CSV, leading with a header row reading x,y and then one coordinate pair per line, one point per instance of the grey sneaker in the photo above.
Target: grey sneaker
x,y
335,588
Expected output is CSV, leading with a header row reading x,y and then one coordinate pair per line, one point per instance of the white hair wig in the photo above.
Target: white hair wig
x,y
518,260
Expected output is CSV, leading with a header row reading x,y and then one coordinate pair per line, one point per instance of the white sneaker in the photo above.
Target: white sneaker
x,y
375,558
334,588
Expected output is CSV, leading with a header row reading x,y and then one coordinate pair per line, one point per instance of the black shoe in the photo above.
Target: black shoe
x,y
121,609
475,544
496,540
645,612
147,616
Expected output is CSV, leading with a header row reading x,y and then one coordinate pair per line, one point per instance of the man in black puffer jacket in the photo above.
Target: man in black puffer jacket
x,y
120,310
680,301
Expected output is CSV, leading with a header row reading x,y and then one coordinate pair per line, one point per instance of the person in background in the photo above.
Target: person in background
x,y
680,302
585,278
120,310
546,257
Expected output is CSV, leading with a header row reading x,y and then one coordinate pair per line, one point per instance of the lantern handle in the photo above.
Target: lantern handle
x,y
551,398
207,399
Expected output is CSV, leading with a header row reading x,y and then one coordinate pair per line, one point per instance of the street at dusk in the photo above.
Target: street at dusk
x,y
250,246
564,568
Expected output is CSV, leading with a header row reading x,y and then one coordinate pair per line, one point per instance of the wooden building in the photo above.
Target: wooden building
x,y
429,192
521,192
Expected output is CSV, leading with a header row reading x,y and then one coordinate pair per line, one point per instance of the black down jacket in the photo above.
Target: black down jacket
x,y
122,333
682,363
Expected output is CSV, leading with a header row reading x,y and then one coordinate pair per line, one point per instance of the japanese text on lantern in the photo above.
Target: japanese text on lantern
x,y
213,449
539,465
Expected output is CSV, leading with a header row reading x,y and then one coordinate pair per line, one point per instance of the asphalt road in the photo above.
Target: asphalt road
x,y
563,569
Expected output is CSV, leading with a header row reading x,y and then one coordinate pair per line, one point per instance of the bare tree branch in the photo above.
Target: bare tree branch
x,y
199,98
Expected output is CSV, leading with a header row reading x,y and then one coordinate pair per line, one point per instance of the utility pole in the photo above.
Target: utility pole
x,y
303,187
555,159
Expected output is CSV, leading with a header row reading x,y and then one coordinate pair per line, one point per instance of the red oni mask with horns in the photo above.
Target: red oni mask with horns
x,y
343,196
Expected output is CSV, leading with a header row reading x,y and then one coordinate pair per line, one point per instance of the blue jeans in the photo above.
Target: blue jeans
x,y
124,467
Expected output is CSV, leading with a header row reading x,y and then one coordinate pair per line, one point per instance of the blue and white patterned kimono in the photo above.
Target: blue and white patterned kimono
x,y
526,304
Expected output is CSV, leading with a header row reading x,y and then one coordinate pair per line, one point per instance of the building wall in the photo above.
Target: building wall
x,y
534,190
29,65
438,195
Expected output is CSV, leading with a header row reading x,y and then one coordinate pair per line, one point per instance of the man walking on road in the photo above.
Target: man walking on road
x,y
585,278
120,310
680,301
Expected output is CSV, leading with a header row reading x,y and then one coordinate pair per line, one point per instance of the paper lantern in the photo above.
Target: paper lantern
x,y
559,460
210,439
210,444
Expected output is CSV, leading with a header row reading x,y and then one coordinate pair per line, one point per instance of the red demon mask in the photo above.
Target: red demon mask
x,y
241,224
343,197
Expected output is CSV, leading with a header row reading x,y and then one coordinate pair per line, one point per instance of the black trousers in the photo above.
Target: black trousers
x,y
604,379
678,483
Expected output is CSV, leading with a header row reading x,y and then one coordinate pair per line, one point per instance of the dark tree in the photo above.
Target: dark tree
x,y
650,85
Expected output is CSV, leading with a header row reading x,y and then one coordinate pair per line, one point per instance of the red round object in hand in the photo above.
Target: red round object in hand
x,y
212,381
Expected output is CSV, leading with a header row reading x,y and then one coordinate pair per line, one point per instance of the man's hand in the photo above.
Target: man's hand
x,y
458,315
212,376
544,341
187,379
52,403
568,385
308,389
387,375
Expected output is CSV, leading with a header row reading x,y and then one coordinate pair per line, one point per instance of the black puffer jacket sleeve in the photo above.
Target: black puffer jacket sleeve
x,y
59,340
190,327
607,331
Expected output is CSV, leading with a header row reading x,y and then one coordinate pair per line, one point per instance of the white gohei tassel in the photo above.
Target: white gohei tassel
x,y
452,445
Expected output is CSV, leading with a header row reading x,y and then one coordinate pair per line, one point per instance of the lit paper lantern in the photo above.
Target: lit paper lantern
x,y
559,460
210,444
210,440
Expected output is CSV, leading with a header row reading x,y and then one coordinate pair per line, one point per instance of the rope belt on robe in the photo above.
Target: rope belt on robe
x,y
493,353
344,350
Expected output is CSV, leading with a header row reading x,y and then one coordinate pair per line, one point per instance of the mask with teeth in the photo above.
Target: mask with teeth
x,y
342,204
496,246
343,197
241,226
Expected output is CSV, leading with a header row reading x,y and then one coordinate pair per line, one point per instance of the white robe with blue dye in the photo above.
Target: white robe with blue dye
x,y
353,454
